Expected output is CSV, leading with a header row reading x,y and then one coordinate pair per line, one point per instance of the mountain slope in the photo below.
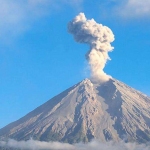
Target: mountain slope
x,y
111,111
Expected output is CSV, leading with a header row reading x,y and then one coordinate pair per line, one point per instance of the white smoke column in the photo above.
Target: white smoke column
x,y
98,37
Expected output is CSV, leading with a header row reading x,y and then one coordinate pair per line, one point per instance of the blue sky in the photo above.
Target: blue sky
x,y
39,59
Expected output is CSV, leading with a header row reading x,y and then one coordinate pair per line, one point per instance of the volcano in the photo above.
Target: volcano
x,y
108,111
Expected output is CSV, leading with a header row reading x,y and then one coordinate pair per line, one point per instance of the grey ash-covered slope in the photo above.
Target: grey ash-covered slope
x,y
111,111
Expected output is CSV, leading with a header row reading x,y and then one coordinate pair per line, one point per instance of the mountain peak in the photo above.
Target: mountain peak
x,y
86,82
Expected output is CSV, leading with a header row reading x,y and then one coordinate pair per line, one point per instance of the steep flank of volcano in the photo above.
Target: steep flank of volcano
x,y
111,111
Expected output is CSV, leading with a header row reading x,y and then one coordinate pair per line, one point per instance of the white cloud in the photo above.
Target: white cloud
x,y
94,145
36,145
126,9
19,15
136,8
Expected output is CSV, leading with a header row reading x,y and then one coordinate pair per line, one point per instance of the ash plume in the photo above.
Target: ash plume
x,y
99,38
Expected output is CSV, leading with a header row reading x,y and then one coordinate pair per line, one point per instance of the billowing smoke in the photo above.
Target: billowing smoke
x,y
98,37
94,145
